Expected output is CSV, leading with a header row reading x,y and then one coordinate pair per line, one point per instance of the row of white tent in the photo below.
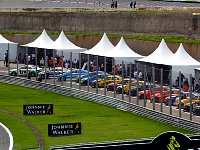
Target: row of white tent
x,y
180,61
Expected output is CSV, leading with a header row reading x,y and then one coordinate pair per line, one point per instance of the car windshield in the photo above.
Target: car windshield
x,y
195,97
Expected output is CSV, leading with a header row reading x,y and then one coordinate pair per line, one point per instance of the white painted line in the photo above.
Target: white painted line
x,y
10,136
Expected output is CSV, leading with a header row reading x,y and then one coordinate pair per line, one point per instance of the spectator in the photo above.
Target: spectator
x,y
134,5
112,4
29,59
193,80
60,63
56,62
102,66
177,82
186,82
6,58
115,4
50,63
197,88
66,64
140,75
42,62
185,88
131,4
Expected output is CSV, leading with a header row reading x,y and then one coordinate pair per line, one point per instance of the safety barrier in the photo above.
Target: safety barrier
x,y
105,100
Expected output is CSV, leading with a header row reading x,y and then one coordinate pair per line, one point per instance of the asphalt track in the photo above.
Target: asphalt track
x,y
95,4
5,140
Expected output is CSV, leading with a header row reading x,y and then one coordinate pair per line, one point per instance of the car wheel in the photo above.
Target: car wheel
x,y
33,74
156,100
84,83
94,85
14,74
43,76
141,96
168,102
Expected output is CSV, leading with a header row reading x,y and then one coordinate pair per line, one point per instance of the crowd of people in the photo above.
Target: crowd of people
x,y
184,83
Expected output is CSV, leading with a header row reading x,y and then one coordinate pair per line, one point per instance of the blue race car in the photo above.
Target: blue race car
x,y
74,74
91,74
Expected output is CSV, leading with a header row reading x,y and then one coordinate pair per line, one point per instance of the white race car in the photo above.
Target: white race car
x,y
22,71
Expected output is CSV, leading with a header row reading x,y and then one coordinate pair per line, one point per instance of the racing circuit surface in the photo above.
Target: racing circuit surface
x,y
96,4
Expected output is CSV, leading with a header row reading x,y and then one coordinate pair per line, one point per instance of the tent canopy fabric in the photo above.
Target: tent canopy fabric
x,y
63,44
123,52
43,41
160,56
183,62
104,45
8,45
182,58
5,41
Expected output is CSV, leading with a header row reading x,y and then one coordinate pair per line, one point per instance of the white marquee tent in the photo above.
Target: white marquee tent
x,y
43,41
182,58
122,52
160,56
182,61
104,45
4,43
63,44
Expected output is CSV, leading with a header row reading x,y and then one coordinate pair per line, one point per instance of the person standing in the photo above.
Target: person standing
x,y
115,4
140,75
134,5
112,4
41,62
6,58
131,4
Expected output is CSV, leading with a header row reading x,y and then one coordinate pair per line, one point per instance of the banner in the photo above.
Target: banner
x,y
64,129
38,109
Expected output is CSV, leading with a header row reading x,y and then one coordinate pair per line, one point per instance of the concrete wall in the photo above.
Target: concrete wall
x,y
162,24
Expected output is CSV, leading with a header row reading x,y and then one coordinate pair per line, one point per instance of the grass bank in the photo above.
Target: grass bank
x,y
99,123
171,39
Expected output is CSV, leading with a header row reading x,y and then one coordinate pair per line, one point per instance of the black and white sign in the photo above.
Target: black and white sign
x,y
38,109
64,129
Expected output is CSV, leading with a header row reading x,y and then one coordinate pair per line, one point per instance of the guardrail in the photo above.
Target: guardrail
x,y
105,100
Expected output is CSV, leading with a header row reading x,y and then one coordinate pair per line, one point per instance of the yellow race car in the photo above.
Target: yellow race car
x,y
195,98
133,85
109,79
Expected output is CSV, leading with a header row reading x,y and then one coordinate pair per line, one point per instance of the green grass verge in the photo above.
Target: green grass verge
x,y
172,39
99,123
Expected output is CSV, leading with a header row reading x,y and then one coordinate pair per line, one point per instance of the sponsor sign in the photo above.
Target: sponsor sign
x,y
64,129
172,141
38,109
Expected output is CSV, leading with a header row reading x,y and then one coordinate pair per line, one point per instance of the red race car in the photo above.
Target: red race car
x,y
149,92
174,92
